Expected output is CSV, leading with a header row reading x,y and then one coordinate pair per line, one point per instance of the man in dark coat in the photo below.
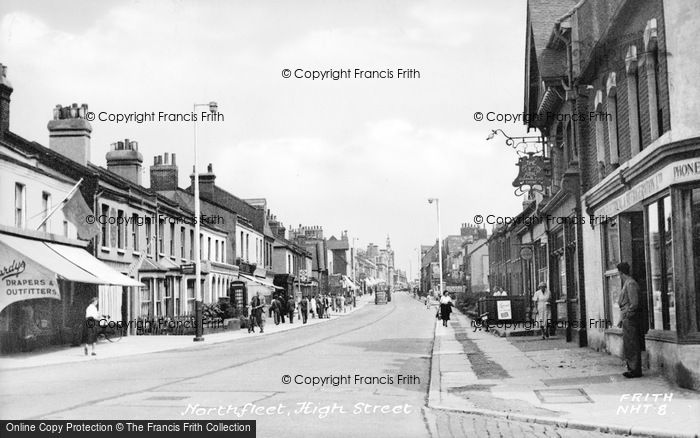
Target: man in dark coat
x,y
319,306
631,322
276,310
256,312
304,307
291,308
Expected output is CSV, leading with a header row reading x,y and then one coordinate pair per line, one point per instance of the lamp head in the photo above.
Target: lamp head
x,y
213,107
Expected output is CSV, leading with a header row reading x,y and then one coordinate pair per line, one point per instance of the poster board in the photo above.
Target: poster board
x,y
503,309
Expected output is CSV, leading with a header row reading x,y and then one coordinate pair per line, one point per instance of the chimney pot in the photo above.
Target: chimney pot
x,y
69,133
172,158
210,168
155,160
165,158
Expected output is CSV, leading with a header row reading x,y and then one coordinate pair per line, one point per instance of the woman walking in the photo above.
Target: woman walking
x,y
92,319
445,308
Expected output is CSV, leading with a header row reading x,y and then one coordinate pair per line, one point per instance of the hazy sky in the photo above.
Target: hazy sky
x,y
355,154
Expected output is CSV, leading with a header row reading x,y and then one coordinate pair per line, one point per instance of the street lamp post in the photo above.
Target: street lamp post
x,y
437,205
197,251
354,272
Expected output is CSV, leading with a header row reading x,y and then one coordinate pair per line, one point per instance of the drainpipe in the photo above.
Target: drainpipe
x,y
578,211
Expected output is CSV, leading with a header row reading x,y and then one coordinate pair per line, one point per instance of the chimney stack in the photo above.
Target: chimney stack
x,y
206,183
125,160
5,92
69,132
164,174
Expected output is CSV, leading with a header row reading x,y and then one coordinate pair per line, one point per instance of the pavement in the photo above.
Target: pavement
x,y
136,345
550,382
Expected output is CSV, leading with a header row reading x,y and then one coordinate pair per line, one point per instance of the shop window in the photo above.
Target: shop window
x,y
696,251
558,287
660,260
611,258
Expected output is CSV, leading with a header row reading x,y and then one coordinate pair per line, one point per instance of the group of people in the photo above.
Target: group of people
x,y
282,307
630,321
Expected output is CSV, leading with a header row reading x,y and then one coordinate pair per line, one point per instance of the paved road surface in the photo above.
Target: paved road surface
x,y
375,342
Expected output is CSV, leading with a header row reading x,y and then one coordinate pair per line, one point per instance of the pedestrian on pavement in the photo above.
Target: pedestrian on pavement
x,y
291,308
541,299
256,312
312,306
304,309
276,310
341,299
90,326
445,308
630,321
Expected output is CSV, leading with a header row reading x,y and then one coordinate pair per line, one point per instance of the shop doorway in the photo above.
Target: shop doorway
x,y
633,251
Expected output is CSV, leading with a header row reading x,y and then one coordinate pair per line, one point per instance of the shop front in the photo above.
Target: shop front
x,y
44,290
651,221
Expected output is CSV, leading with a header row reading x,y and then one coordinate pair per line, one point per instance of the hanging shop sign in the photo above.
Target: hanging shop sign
x,y
534,173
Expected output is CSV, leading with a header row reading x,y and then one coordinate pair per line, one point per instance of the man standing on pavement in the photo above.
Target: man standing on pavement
x,y
291,308
256,312
304,308
630,321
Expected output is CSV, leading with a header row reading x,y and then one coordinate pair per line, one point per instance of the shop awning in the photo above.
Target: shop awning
x,y
259,281
349,283
100,270
69,263
29,269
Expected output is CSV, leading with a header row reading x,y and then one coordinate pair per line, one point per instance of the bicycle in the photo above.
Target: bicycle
x,y
111,331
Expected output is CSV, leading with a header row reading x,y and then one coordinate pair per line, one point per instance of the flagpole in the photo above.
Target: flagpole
x,y
60,204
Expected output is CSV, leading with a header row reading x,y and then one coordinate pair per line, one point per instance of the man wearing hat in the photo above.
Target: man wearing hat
x,y
541,301
630,321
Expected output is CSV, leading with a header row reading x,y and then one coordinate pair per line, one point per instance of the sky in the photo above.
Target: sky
x,y
356,154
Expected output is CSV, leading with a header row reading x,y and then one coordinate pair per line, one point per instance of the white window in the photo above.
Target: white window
x,y
20,205
45,207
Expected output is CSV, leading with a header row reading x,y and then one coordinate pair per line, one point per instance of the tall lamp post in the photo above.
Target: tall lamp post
x,y
213,107
437,205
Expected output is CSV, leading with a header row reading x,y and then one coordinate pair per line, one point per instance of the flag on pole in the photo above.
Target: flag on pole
x,y
77,212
